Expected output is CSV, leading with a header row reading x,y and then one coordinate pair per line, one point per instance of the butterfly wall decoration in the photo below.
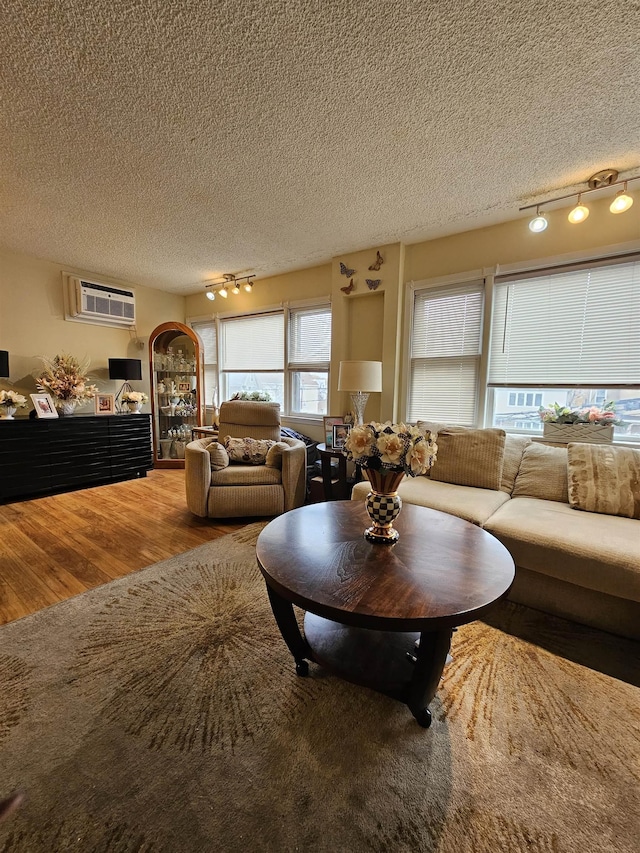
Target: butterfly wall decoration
x,y
378,263
348,288
345,270
373,284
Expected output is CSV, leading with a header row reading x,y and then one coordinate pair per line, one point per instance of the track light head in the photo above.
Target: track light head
x,y
210,295
235,289
539,222
579,213
248,286
621,202
223,292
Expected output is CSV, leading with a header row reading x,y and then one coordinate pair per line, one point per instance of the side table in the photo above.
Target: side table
x,y
336,484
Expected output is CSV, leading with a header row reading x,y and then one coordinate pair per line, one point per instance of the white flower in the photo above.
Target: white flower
x,y
134,397
391,447
11,399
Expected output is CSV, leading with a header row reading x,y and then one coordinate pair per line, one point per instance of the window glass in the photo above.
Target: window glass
x,y
309,357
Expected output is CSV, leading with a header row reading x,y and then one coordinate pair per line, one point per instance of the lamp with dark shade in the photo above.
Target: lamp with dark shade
x,y
4,363
124,368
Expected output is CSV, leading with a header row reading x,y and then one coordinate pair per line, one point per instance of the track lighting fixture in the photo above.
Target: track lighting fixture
x,y
600,181
230,282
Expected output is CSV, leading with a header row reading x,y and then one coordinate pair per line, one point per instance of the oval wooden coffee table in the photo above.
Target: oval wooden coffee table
x,y
379,615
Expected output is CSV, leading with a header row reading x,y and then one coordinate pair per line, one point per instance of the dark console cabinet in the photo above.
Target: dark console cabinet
x,y
40,457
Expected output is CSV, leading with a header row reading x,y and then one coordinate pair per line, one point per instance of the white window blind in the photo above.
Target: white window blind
x,y
568,328
253,343
310,337
206,330
445,353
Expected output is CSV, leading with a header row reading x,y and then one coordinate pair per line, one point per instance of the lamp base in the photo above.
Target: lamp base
x,y
359,400
119,405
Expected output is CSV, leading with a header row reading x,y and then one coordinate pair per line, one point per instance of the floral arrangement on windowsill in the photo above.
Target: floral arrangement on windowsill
x,y
253,396
135,397
391,447
12,400
64,377
557,414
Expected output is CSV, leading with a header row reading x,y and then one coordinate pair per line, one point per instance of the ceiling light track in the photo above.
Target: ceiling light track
x,y
230,282
605,179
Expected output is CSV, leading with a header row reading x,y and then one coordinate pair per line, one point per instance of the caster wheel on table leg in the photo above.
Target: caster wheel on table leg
x,y
302,668
424,718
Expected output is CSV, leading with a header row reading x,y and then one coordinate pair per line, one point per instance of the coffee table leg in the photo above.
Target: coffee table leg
x,y
286,620
430,660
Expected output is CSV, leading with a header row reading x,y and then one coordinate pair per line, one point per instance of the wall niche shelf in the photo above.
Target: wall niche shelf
x,y
175,368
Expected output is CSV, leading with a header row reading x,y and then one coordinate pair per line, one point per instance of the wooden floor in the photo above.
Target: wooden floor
x,y
58,546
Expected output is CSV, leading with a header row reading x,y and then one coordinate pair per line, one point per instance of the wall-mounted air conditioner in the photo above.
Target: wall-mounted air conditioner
x,y
101,303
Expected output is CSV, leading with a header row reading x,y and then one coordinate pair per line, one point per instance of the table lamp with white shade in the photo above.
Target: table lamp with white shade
x,y
360,378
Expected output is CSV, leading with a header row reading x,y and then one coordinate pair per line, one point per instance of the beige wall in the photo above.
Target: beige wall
x,y
366,324
32,324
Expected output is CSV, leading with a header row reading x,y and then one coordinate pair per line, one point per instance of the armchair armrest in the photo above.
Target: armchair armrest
x,y
294,473
197,475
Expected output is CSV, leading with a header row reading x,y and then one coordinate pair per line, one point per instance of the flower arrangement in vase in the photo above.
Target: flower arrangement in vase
x,y
387,452
9,402
64,377
134,400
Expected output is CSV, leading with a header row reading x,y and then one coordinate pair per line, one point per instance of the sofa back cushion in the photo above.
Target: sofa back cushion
x,y
542,473
470,457
514,446
604,479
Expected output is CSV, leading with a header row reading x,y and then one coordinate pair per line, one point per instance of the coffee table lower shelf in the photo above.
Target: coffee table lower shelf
x,y
406,666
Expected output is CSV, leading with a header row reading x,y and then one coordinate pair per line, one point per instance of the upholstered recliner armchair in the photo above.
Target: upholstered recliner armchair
x,y
240,489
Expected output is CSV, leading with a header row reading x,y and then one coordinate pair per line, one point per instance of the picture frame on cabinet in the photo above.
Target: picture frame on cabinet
x,y
105,404
184,387
44,405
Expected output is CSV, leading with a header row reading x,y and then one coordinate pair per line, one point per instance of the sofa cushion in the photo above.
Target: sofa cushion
x,y
248,451
274,454
604,479
514,446
471,504
247,475
600,552
218,455
470,457
542,473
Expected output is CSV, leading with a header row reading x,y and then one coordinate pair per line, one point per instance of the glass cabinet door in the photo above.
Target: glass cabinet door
x,y
176,369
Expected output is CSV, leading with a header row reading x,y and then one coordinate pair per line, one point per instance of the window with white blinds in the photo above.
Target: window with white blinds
x,y
252,355
309,358
253,343
206,330
445,353
574,328
310,337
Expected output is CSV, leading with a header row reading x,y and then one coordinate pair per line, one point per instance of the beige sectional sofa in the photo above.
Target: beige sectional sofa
x,y
579,564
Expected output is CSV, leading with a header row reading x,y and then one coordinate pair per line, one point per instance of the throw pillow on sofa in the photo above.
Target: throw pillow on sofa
x,y
218,455
542,473
470,457
248,451
604,479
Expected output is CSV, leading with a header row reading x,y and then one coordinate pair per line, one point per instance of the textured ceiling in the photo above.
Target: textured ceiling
x,y
164,142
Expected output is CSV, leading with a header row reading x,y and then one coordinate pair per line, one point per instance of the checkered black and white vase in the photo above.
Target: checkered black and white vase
x,y
383,505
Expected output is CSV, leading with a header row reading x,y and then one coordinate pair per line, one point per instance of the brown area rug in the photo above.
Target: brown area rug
x,y
162,713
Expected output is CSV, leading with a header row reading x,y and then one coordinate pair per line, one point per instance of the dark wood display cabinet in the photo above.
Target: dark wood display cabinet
x,y
39,457
175,356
